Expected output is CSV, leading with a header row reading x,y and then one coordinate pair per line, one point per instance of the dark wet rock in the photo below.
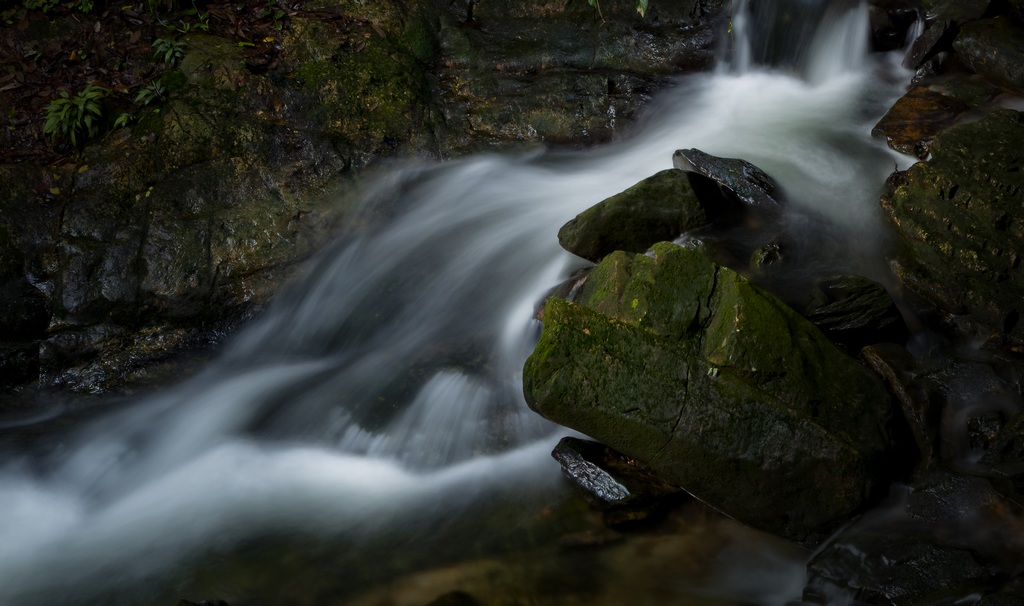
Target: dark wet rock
x,y
959,11
936,39
19,363
983,428
626,492
913,121
717,386
855,311
946,539
961,233
917,398
890,569
890,24
737,179
656,209
943,19
993,48
1005,458
455,598
768,255
24,313
203,603
1001,599
557,73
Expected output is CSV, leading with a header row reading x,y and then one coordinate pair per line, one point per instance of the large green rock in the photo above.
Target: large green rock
x,y
716,385
959,219
658,208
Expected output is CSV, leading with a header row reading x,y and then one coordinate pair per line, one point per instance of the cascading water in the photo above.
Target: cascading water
x,y
382,392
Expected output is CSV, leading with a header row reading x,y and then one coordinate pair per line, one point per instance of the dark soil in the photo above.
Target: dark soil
x,y
111,46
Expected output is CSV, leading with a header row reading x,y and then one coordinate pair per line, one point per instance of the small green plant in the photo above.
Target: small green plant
x,y
154,91
70,117
123,120
168,51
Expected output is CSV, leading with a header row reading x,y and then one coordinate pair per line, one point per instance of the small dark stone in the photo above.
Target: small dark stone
x,y
628,492
738,179
855,311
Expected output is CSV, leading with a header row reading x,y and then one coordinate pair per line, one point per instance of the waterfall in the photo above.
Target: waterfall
x,y
383,389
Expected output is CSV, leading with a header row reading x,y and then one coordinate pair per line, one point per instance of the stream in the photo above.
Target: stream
x,y
371,424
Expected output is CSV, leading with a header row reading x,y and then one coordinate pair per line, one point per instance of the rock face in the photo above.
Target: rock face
x,y
161,236
558,72
658,208
958,218
715,385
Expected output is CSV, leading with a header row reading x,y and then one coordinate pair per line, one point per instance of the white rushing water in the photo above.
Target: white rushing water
x,y
386,385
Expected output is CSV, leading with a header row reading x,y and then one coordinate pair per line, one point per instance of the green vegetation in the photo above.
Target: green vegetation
x,y
168,51
70,117
154,91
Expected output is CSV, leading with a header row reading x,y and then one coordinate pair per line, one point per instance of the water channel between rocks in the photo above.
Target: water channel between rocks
x,y
372,424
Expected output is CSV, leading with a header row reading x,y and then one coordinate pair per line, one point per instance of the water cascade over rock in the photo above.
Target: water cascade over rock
x,y
367,440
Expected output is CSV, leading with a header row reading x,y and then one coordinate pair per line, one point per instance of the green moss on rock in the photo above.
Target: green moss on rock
x,y
718,386
958,218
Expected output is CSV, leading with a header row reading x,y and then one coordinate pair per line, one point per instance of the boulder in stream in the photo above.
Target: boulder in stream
x,y
959,222
660,207
718,387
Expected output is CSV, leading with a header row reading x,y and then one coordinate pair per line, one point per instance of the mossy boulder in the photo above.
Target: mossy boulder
x,y
718,387
959,222
658,208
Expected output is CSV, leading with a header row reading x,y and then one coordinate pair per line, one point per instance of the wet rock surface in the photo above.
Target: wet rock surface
x,y
737,179
659,208
912,123
944,539
716,386
993,48
855,311
958,221
627,494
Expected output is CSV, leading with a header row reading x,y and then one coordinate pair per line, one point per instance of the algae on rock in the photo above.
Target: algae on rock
x,y
717,386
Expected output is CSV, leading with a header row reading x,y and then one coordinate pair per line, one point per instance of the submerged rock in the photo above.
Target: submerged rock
x,y
957,217
718,387
658,208
737,179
